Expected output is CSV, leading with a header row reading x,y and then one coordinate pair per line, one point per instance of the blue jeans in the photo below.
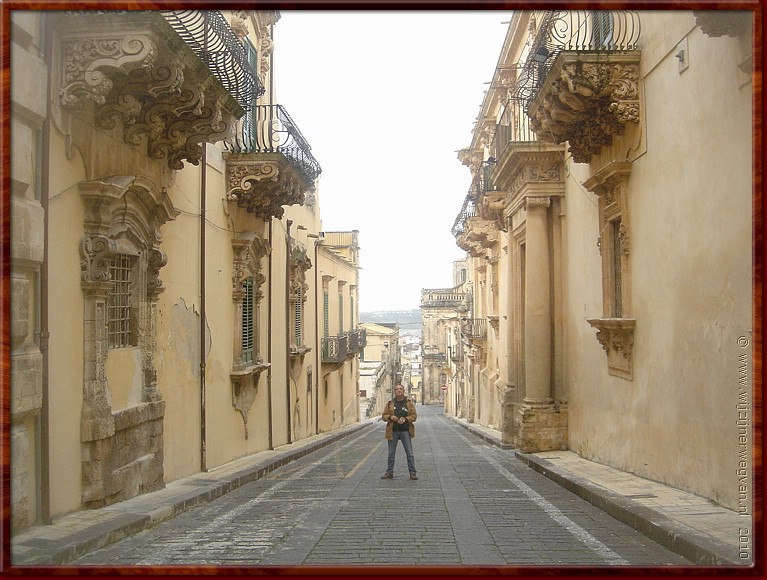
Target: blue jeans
x,y
403,436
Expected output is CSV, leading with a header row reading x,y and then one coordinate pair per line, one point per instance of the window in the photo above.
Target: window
x,y
615,265
298,310
248,338
615,330
119,313
602,33
326,314
340,313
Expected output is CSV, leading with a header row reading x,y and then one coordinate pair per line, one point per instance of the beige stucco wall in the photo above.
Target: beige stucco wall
x,y
65,354
690,233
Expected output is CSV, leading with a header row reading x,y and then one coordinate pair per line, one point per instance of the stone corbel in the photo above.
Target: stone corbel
x,y
245,389
86,65
262,187
155,259
139,72
586,100
616,335
716,23
96,253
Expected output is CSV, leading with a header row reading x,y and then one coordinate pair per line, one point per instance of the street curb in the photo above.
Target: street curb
x,y
125,519
481,434
672,535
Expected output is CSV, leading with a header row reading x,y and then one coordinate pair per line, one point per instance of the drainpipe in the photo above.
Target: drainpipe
x,y
269,342
318,339
287,328
203,413
44,430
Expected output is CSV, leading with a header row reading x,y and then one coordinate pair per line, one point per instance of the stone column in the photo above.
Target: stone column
x,y
542,426
537,305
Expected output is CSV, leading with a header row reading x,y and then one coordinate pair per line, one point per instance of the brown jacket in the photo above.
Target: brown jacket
x,y
411,417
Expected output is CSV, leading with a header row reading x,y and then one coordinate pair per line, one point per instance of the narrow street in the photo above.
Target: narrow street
x,y
473,504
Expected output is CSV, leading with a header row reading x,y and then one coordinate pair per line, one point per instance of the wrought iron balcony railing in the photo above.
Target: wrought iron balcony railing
x,y
475,327
269,129
513,128
486,181
336,349
576,31
211,38
469,209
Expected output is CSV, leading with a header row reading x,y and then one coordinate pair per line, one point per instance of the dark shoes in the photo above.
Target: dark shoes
x,y
391,476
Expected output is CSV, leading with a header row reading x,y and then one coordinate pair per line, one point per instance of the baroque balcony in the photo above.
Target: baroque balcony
x,y
474,233
475,328
170,80
337,349
580,80
269,163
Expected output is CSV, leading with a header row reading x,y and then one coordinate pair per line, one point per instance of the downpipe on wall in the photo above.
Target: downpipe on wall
x,y
287,329
203,412
269,342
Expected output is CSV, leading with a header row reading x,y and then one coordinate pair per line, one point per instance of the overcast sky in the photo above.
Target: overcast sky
x,y
386,99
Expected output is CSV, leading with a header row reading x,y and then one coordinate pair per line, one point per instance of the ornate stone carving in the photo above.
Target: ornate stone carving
x,y
145,82
245,389
616,335
248,252
239,23
96,254
472,159
155,260
723,22
88,65
586,100
263,183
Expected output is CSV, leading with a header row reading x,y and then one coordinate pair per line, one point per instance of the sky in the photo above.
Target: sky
x,y
386,99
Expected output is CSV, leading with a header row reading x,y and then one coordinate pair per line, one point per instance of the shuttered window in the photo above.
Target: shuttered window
x,y
248,338
326,314
298,311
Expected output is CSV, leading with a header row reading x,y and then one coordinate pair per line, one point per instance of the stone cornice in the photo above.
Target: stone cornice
x,y
586,99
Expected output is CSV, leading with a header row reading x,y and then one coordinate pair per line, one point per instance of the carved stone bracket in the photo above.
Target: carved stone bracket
x,y
245,389
616,335
263,183
471,158
716,23
155,259
141,76
480,234
96,256
587,98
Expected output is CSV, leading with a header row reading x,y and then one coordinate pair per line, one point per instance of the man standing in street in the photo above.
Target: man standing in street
x,y
400,415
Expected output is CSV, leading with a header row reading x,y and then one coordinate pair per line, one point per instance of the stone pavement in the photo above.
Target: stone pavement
x,y
691,526
694,527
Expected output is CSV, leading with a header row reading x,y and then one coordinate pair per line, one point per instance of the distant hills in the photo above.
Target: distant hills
x,y
407,319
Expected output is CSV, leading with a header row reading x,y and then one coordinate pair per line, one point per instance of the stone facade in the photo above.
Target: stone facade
x,y
167,260
588,328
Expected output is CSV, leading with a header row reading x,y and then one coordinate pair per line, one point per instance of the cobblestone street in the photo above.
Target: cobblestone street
x,y
473,504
